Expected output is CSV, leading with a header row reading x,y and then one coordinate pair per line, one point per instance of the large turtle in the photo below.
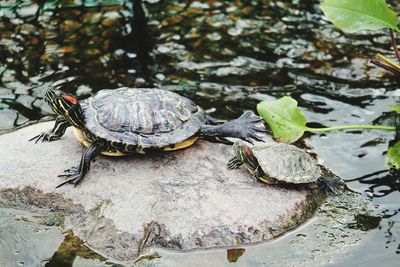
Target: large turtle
x,y
282,163
137,120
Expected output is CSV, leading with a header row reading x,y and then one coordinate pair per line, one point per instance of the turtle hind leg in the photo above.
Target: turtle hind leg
x,y
218,139
333,184
75,175
247,127
214,121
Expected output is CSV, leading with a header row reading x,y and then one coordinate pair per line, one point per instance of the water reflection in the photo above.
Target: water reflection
x,y
206,48
79,47
225,55
382,182
73,44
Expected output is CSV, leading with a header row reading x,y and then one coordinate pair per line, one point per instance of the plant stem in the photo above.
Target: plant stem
x,y
373,127
386,67
394,45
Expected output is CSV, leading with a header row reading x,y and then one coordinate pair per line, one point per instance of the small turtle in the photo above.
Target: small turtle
x,y
137,120
282,163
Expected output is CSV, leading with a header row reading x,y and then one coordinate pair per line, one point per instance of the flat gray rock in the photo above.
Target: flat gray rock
x,y
183,200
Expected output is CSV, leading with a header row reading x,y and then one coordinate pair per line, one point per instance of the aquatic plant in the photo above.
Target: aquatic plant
x,y
354,15
288,122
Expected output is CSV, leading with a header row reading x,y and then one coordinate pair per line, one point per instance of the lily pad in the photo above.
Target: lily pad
x,y
354,15
286,120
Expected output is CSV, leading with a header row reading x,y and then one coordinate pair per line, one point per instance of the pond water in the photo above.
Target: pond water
x,y
227,56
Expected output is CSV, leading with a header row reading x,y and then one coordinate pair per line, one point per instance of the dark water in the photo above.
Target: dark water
x,y
227,56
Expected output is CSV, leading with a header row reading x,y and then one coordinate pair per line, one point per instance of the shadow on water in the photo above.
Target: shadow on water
x,y
382,183
227,56
75,44
139,40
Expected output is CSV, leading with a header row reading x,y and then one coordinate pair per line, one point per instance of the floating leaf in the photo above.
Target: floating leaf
x,y
285,119
354,15
288,122
394,156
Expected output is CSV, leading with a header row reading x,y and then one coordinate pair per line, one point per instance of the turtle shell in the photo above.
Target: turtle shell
x,y
287,163
147,118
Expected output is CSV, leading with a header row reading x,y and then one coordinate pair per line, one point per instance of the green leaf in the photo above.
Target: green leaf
x,y
285,119
354,15
395,108
394,156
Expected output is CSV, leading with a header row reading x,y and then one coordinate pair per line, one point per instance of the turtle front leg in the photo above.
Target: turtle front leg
x,y
74,174
259,175
58,130
247,127
234,163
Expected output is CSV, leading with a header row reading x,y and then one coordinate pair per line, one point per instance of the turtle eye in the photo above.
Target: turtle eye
x,y
70,99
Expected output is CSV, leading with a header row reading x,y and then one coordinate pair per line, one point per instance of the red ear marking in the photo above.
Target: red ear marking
x,y
70,99
247,150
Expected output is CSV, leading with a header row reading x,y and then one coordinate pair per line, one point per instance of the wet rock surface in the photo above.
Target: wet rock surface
x,y
180,200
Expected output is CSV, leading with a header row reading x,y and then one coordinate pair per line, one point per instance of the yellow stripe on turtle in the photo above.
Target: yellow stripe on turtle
x,y
264,180
82,139
188,142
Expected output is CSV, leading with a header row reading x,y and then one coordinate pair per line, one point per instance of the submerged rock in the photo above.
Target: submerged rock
x,y
182,200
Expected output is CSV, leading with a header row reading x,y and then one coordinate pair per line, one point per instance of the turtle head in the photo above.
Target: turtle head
x,y
245,154
66,105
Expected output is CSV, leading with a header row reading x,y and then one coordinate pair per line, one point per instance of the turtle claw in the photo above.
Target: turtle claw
x,y
256,136
74,176
45,136
234,163
73,169
248,140
73,180
37,137
252,127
